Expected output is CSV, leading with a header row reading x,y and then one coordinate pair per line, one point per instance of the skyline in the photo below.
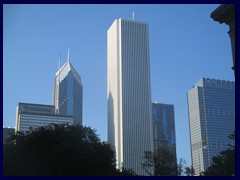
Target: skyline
x,y
180,36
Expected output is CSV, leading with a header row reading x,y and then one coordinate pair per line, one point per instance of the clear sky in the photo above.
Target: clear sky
x,y
185,45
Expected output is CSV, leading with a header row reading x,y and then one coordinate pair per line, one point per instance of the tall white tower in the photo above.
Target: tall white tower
x,y
129,93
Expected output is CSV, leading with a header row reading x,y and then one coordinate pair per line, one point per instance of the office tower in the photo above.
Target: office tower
x,y
37,115
7,133
164,128
67,97
129,93
211,109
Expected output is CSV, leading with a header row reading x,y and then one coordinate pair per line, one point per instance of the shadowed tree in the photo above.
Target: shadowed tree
x,y
189,171
162,162
59,150
181,167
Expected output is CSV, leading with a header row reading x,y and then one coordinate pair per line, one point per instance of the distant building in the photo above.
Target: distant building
x,y
129,93
211,109
225,13
6,134
37,115
164,135
68,92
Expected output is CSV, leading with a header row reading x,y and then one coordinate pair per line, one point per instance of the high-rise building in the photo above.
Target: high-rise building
x,y
211,109
37,115
7,132
164,128
68,90
129,93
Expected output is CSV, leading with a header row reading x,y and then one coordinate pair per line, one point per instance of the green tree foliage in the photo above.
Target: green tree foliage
x,y
224,163
59,150
189,171
180,167
160,163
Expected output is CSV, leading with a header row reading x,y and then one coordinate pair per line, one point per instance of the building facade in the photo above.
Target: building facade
x,y
7,132
225,13
37,115
164,135
211,109
68,92
129,93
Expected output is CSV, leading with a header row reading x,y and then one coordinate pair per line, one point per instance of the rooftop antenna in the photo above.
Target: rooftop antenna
x,y
58,82
68,58
59,62
133,16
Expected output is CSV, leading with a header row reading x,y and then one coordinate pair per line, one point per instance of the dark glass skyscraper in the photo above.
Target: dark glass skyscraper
x,y
164,135
68,91
211,109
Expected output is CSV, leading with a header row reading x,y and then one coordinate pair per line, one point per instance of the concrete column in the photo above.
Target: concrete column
x,y
225,13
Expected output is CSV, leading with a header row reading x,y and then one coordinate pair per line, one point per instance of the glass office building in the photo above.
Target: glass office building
x,y
211,109
7,132
164,128
129,93
68,92
37,115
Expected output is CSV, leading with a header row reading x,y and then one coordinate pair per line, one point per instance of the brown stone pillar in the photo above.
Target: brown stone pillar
x,y
225,13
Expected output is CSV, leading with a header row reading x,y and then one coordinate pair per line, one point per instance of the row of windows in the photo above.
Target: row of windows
x,y
220,112
51,118
219,84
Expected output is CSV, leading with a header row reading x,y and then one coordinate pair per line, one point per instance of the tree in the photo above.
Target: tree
x,y
59,150
181,166
160,163
224,163
189,171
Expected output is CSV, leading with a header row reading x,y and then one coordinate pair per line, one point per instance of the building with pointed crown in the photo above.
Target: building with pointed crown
x,y
67,96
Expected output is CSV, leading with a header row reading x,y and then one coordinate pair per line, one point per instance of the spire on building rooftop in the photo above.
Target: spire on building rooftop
x,y
68,57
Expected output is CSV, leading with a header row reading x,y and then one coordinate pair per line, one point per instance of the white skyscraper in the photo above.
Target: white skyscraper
x,y
67,97
129,93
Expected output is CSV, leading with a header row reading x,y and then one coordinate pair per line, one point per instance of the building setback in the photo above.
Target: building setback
x,y
37,115
68,92
164,128
211,109
129,93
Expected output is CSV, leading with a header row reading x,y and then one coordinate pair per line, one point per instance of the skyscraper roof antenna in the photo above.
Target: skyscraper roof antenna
x,y
59,61
133,15
68,58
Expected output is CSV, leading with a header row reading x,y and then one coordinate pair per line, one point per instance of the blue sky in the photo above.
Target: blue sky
x,y
185,45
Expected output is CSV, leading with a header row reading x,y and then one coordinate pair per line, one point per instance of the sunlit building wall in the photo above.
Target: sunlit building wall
x,y
211,109
38,115
129,93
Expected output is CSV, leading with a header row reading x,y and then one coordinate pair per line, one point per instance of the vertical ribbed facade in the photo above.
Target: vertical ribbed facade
x,y
129,93
211,109
68,90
